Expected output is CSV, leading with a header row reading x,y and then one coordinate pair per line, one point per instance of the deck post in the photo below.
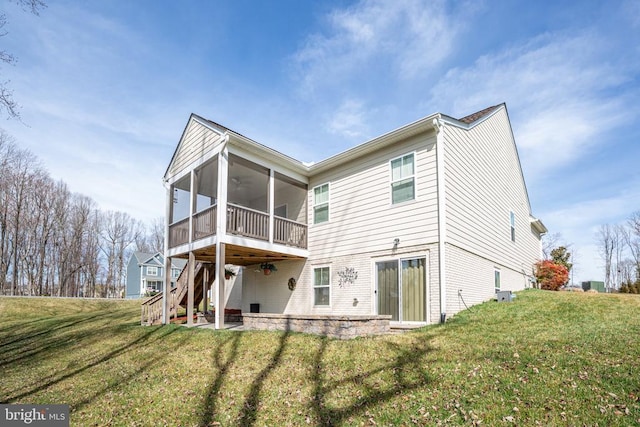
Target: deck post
x,y
272,193
166,291
219,286
221,232
190,289
205,290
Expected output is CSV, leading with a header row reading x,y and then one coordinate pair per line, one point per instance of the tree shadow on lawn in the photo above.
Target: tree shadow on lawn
x,y
27,331
250,408
248,413
407,364
222,368
406,358
155,358
55,345
47,337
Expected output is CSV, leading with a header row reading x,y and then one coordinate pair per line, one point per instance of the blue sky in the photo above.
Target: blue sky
x,y
107,88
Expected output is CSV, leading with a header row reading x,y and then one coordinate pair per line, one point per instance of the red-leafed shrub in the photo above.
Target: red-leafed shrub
x,y
551,276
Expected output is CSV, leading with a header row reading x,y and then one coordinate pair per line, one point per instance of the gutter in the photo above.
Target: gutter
x,y
439,126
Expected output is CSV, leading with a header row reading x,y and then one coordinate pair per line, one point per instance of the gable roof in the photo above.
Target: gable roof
x,y
424,124
367,146
147,258
479,114
239,139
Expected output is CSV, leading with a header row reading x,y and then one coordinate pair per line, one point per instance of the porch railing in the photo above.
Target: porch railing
x,y
290,233
247,222
241,221
204,223
179,233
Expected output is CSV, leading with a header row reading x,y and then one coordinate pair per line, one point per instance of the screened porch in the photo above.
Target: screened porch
x,y
259,204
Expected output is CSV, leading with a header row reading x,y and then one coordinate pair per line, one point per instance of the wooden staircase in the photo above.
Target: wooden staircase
x,y
152,307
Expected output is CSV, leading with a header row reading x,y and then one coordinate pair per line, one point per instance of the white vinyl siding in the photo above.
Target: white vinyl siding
x,y
197,141
321,203
322,286
483,180
403,184
360,216
471,279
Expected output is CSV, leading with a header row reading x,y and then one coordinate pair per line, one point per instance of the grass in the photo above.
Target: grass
x,y
545,359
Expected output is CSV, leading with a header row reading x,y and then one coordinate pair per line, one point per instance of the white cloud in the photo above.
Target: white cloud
x,y
558,89
349,120
400,38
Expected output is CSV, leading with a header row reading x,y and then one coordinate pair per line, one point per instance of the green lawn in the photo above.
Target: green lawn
x,y
545,359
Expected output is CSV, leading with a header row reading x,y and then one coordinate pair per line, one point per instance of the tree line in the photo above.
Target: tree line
x,y
56,242
619,247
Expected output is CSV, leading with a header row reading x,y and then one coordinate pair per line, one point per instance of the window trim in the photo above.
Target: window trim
x,y
328,202
413,176
315,286
497,280
153,268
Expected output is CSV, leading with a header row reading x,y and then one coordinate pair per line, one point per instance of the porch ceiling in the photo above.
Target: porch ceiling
x,y
240,255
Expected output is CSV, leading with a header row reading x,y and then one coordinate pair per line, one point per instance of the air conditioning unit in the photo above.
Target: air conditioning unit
x,y
504,296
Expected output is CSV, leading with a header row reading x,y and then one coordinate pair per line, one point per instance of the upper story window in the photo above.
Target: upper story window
x,y
175,273
403,183
321,203
512,221
152,271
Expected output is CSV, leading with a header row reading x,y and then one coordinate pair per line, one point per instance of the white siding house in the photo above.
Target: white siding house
x,y
416,224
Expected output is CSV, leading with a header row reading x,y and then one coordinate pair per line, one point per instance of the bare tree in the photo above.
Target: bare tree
x,y
606,248
151,236
119,231
6,95
632,239
54,242
8,154
550,242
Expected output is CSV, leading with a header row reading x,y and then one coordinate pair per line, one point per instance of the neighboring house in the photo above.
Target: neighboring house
x,y
416,224
145,273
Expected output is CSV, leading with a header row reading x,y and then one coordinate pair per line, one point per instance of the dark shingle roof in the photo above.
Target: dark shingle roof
x,y
478,115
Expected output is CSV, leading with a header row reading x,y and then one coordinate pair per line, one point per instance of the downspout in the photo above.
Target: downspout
x,y
438,125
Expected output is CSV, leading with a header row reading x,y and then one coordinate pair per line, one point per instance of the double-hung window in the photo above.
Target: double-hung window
x,y
403,182
321,203
321,286
152,271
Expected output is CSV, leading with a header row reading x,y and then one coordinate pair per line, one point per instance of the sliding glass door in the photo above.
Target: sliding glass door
x,y
401,288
